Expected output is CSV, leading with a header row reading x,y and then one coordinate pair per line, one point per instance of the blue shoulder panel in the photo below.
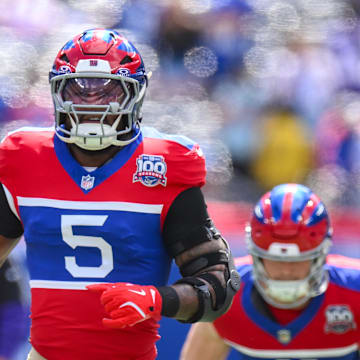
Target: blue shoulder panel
x,y
150,132
244,270
345,277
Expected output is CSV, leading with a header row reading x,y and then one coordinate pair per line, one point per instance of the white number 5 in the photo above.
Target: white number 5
x,y
107,261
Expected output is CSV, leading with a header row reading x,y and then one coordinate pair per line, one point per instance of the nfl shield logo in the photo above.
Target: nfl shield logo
x,y
87,182
284,336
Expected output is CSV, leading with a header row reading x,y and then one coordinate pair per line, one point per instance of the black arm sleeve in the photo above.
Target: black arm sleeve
x,y
184,221
10,225
187,225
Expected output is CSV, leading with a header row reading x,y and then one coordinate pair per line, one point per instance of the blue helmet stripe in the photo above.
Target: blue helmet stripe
x,y
88,35
259,212
107,37
70,44
126,46
277,198
300,198
318,214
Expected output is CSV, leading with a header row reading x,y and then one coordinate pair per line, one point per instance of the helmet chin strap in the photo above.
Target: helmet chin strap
x,y
283,298
286,294
94,137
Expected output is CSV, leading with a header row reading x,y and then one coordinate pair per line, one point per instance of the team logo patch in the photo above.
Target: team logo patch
x,y
151,170
339,319
87,182
123,72
64,69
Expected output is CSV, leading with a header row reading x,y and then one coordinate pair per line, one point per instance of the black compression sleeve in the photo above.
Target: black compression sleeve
x,y
185,220
171,301
10,225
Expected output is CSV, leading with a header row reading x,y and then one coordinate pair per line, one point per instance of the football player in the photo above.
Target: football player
x,y
104,206
295,302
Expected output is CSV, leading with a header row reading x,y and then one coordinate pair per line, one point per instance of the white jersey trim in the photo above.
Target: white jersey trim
x,y
67,285
301,353
27,128
31,128
10,201
91,205
150,132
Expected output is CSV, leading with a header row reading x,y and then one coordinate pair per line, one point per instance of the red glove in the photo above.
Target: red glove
x,y
127,304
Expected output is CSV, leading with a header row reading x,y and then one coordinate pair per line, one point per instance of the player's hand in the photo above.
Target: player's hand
x,y
128,304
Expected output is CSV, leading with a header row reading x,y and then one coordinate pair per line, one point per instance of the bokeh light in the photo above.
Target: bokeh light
x,y
201,62
283,17
196,6
102,13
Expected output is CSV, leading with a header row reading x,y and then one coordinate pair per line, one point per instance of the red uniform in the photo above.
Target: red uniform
x,y
328,328
83,227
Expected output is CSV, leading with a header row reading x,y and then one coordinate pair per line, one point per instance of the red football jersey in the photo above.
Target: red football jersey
x,y
83,227
328,328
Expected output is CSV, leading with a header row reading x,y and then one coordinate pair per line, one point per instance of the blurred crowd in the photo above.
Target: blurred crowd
x,y
270,89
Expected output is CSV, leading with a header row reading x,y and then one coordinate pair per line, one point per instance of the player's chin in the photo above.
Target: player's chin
x,y
296,302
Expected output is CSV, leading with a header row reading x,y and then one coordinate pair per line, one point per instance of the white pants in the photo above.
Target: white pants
x,y
34,355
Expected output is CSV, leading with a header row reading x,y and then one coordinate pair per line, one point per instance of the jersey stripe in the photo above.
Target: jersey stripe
x,y
91,205
301,353
27,129
31,128
67,285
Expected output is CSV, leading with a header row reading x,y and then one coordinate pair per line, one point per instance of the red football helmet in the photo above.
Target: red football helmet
x,y
98,74
289,223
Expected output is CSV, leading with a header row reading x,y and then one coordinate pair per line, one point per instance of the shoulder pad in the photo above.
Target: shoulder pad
x,y
184,159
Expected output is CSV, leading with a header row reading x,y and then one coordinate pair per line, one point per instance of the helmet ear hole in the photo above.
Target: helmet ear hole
x,y
64,57
126,60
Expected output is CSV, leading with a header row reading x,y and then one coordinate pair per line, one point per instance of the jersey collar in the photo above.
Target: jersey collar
x,y
273,328
87,181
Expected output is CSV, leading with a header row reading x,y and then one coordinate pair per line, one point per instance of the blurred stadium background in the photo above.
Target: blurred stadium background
x,y
269,88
